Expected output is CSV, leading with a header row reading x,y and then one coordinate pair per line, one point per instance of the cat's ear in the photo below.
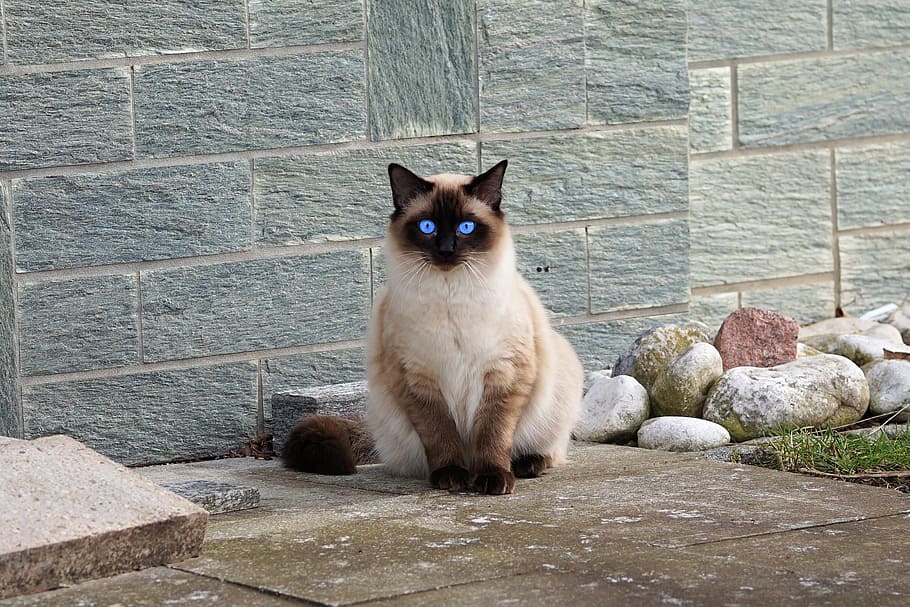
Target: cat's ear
x,y
405,186
487,187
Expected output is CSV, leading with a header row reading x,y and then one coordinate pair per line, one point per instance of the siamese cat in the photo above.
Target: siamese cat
x,y
469,385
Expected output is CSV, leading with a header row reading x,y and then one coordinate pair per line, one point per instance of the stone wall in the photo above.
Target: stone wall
x,y
194,194
800,155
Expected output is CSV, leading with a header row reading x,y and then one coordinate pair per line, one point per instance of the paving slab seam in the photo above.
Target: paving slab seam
x,y
417,593
267,591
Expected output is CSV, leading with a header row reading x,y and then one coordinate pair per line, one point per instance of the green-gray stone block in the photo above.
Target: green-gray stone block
x,y
594,175
639,265
10,415
713,309
153,417
599,344
871,23
289,22
377,268
556,265
532,55
78,324
742,28
73,30
807,303
872,185
341,195
823,99
255,305
874,269
710,117
66,222
635,60
760,217
422,69
263,102
64,118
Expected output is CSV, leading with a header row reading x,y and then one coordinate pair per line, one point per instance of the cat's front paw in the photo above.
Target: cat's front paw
x,y
494,481
450,478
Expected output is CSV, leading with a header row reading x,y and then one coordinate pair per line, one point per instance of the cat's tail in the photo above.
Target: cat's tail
x,y
328,445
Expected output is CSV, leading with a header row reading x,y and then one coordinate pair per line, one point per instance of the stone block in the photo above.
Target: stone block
x,y
556,265
341,195
155,417
639,265
739,28
287,23
872,185
747,225
73,30
215,497
66,222
870,23
874,269
532,55
823,99
807,303
219,106
255,305
64,118
79,324
70,514
635,60
594,175
710,117
422,69
291,405
10,415
713,309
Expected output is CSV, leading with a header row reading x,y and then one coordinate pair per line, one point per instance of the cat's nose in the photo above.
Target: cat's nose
x,y
447,248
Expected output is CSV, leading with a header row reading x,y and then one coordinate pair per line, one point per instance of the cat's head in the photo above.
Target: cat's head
x,y
446,219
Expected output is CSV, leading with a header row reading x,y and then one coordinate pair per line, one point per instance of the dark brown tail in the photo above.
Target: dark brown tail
x,y
328,445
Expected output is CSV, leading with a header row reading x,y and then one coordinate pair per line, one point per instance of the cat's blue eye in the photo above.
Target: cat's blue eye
x,y
426,226
466,227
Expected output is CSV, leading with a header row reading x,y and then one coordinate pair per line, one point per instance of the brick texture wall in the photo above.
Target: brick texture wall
x,y
194,193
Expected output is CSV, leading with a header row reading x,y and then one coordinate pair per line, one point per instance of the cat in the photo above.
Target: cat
x,y
469,385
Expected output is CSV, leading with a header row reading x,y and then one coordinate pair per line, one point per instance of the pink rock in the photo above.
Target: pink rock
x,y
756,338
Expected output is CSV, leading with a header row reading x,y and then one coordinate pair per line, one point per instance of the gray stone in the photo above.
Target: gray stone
x,y
792,210
215,497
341,195
804,350
653,350
71,514
821,331
710,110
739,28
64,118
818,391
255,305
285,23
154,417
425,93
532,65
804,302
870,23
744,453
671,433
612,410
73,30
219,106
872,187
556,264
823,99
682,386
623,276
889,388
635,60
593,376
338,399
66,222
78,324
888,430
863,349
10,413
713,309
874,267
557,178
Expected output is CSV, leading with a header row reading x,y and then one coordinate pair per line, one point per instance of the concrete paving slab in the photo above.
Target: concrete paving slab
x,y
70,514
215,497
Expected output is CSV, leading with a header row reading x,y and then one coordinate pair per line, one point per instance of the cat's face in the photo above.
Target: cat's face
x,y
446,220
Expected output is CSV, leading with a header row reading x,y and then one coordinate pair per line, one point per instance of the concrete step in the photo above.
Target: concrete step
x,y
70,514
290,405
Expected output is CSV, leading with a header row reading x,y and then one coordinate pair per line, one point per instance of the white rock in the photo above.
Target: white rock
x,y
681,387
672,433
613,409
865,349
837,326
889,388
593,376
